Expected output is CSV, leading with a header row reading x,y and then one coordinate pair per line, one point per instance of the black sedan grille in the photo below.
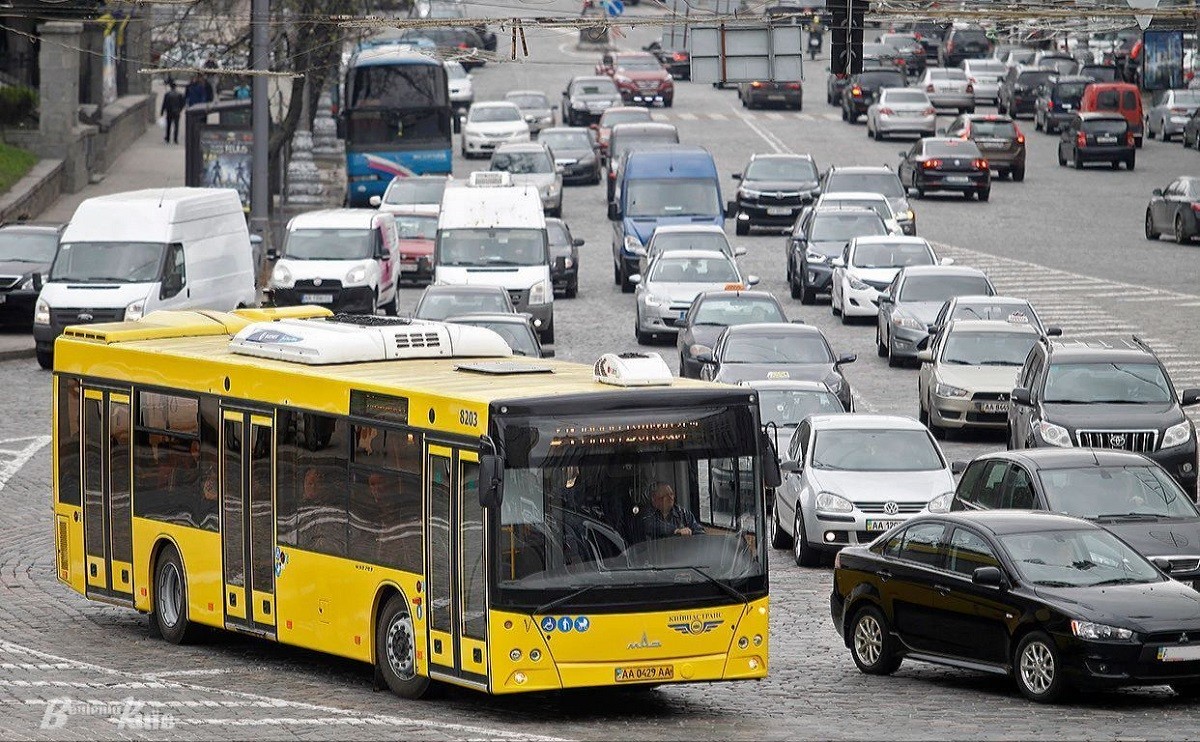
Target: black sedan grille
x,y
1138,441
1173,637
780,198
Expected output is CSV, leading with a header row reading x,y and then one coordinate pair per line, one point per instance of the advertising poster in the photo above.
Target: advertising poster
x,y
109,68
225,161
1162,60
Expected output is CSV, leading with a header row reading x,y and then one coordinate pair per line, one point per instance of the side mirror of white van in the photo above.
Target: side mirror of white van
x,y
375,201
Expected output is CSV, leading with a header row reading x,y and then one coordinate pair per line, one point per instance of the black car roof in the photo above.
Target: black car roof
x,y
1068,458
1082,350
774,328
1005,522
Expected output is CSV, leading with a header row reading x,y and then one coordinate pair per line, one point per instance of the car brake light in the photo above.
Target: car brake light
x,y
463,45
856,91
1049,105
1020,136
929,88
900,62
1129,139
931,164
886,112
981,164
1196,207
931,111
793,86
1081,139
756,84
680,56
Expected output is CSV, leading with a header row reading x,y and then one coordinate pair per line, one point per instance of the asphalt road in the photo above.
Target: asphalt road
x,y
1070,241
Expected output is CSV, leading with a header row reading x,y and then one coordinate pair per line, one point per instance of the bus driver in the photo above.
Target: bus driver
x,y
666,518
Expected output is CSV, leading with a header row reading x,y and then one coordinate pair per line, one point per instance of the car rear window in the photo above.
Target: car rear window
x,y
1102,73
986,67
994,129
906,96
954,148
967,36
1035,77
882,77
1105,126
947,75
1108,100
1070,92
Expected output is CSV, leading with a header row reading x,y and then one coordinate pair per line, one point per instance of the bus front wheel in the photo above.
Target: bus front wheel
x,y
396,650
170,615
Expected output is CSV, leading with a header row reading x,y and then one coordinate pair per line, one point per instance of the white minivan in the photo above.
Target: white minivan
x,y
344,259
493,233
125,255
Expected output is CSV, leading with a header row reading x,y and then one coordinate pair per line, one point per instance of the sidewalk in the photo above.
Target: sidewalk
x,y
148,163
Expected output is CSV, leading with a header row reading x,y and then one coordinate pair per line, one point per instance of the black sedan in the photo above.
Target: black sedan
x,y
1097,137
1175,210
1054,602
564,258
941,164
709,315
777,351
516,329
677,61
575,151
772,191
26,252
861,89
1124,492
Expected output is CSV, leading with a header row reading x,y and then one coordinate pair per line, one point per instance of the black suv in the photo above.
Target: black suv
x,y
1124,493
773,190
1057,101
1104,394
860,90
970,42
1017,95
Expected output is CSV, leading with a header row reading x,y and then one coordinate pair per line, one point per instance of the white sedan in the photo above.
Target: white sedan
x,y
901,111
867,267
488,125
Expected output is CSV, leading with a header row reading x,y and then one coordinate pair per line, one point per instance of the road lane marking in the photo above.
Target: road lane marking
x,y
772,141
13,458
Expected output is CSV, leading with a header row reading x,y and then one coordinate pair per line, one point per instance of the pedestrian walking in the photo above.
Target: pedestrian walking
x,y
172,106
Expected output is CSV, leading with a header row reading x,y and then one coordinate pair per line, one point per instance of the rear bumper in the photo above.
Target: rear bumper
x,y
1105,154
975,180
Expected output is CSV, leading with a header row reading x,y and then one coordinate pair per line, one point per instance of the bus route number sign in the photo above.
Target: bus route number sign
x,y
645,673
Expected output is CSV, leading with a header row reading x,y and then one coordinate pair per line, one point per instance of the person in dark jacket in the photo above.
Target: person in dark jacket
x,y
665,517
194,93
172,106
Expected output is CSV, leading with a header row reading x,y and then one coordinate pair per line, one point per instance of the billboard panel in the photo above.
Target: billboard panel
x,y
1162,60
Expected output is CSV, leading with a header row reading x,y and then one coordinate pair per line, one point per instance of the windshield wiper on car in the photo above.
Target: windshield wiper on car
x,y
1118,581
544,609
1131,516
1054,583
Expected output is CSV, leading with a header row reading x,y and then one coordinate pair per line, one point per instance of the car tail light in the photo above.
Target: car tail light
x,y
1049,105
1196,207
886,112
981,164
970,88
793,86
900,62
931,164
756,84
1129,139
679,56
1020,136
856,91
931,111
463,45
929,88
1081,139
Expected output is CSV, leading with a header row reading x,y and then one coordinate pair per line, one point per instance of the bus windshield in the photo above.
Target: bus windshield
x,y
398,105
108,262
595,504
492,247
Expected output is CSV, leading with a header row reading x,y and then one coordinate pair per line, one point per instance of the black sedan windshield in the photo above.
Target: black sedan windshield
x,y
1115,383
1095,491
780,347
27,247
1082,558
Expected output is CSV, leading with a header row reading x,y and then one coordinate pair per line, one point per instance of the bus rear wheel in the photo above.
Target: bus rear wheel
x,y
170,599
396,650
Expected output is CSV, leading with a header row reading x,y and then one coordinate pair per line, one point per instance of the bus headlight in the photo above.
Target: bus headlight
x,y
41,313
135,311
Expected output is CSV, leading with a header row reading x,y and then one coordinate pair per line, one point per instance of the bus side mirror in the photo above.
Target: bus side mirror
x,y
772,477
491,480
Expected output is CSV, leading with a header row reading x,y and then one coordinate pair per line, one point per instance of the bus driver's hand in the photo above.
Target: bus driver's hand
x,y
683,531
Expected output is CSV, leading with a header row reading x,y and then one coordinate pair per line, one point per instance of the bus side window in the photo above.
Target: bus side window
x,y
167,480
319,470
69,417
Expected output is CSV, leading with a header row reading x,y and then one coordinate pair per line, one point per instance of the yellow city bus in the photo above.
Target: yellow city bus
x,y
316,480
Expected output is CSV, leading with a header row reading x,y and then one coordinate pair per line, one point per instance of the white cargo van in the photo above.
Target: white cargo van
x,y
127,254
493,233
347,260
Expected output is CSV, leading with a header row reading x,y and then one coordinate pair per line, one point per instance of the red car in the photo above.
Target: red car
x,y
417,226
614,116
639,76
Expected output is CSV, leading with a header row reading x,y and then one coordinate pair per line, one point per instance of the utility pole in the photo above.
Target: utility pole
x,y
260,61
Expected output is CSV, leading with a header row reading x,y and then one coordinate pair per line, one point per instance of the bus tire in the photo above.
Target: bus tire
x,y
396,650
170,617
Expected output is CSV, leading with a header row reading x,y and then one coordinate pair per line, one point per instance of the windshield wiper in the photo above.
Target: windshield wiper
x,y
1118,581
1137,516
543,609
1054,583
729,590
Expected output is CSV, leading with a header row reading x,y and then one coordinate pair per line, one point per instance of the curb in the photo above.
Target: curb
x,y
17,355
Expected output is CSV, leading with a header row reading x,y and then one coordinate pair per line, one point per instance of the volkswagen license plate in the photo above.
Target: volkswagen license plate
x,y
882,525
778,211
644,673
316,298
1184,653
957,179
993,407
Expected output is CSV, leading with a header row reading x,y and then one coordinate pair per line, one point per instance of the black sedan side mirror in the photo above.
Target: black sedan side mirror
x,y
1053,331
846,358
1189,397
1021,396
37,281
988,577
577,242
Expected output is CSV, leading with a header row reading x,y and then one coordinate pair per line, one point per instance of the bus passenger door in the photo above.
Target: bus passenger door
x,y
456,568
107,508
248,520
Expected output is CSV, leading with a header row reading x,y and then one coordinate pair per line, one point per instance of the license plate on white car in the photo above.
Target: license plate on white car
x,y
316,299
882,525
778,211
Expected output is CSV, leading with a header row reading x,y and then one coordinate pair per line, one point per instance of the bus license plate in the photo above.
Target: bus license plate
x,y
645,673
882,525
778,211
1179,654
316,298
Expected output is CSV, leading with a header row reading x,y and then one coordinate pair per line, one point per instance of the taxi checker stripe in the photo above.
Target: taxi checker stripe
x,y
375,162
